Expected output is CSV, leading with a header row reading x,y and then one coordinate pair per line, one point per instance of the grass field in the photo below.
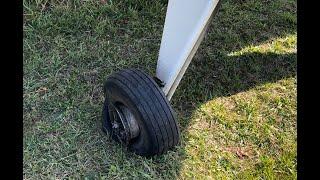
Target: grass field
x,y
236,104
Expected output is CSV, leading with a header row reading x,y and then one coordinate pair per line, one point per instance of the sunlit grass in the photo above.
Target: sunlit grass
x,y
245,135
285,45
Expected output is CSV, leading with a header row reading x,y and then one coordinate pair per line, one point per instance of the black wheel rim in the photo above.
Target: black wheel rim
x,y
123,123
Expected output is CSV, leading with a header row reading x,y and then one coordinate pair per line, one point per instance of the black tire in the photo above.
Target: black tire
x,y
137,91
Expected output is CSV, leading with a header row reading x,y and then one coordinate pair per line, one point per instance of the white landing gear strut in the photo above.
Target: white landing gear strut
x,y
184,28
136,111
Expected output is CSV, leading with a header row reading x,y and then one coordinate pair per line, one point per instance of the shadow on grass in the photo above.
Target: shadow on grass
x,y
207,79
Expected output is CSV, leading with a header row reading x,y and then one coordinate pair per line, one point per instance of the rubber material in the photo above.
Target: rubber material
x,y
138,91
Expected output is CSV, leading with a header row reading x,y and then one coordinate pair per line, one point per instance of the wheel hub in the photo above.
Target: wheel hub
x,y
124,124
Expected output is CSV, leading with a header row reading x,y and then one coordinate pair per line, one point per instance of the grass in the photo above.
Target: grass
x,y
236,104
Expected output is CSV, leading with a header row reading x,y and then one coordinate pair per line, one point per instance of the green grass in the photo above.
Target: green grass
x,y
236,104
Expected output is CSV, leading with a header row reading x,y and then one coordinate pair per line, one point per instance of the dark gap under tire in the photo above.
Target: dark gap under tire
x,y
137,113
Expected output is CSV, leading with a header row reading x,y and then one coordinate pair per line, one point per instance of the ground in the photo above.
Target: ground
x,y
236,104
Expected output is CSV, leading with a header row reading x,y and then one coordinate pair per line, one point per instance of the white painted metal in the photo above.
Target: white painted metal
x,y
185,24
